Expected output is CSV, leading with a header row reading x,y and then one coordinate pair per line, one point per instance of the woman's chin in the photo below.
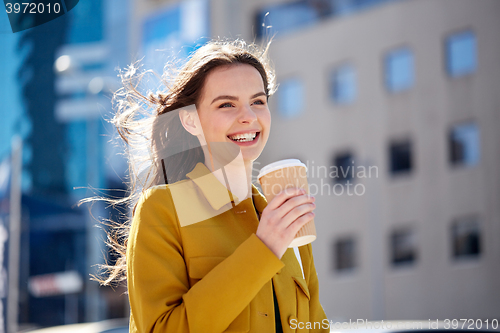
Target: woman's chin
x,y
250,156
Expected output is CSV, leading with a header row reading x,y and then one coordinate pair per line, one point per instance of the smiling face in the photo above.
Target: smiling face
x,y
233,108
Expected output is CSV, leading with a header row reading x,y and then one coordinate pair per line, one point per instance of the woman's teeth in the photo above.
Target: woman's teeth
x,y
243,137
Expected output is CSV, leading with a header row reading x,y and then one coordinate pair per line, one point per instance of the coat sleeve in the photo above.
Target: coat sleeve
x,y
159,293
316,312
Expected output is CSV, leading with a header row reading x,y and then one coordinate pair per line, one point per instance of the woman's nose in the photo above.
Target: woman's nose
x,y
247,115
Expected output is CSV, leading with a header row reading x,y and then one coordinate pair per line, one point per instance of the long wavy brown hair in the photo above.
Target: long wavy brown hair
x,y
137,120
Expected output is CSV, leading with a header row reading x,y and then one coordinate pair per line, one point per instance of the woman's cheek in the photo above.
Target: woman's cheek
x,y
267,120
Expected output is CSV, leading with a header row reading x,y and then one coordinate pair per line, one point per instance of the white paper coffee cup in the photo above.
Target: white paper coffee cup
x,y
280,176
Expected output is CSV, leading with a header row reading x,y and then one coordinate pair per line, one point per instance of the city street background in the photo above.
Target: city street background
x,y
402,95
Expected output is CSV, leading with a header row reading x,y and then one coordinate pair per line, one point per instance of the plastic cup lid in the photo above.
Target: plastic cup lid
x,y
279,165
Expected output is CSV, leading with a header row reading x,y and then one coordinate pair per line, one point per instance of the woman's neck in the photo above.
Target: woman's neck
x,y
236,176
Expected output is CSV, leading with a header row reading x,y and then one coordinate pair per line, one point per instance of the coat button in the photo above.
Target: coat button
x,y
290,318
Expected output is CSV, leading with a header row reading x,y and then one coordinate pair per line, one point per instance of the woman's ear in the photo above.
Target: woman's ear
x,y
190,121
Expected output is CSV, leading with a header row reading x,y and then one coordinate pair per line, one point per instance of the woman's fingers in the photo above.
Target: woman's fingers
x,y
300,222
283,196
293,203
283,217
297,212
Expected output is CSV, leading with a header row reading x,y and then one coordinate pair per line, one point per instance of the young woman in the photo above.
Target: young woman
x,y
205,252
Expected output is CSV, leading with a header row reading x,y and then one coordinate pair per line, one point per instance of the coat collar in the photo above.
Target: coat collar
x,y
259,200
216,193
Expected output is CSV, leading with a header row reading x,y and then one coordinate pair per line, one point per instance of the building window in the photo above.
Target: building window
x,y
345,254
400,157
290,16
291,98
466,237
464,144
344,167
345,7
461,54
399,70
343,85
403,247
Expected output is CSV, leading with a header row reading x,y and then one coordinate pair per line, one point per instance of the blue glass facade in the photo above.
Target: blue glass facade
x,y
14,118
58,155
86,22
29,98
76,134
174,32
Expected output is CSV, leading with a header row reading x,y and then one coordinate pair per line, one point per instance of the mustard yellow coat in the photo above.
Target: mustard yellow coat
x,y
213,275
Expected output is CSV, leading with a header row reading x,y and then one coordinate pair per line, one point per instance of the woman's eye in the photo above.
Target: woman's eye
x,y
225,105
259,102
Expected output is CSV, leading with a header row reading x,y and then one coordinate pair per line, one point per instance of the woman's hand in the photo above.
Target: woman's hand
x,y
283,217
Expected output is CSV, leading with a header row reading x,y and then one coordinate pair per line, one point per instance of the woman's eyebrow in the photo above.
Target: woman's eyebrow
x,y
258,94
234,98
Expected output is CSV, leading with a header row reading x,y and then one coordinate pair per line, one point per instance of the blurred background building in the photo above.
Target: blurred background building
x,y
409,87
392,104
57,80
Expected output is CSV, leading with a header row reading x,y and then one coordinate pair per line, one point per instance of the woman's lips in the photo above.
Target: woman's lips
x,y
247,143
